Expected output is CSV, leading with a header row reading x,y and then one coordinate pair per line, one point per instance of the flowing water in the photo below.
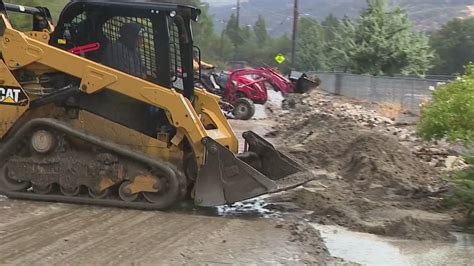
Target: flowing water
x,y
369,249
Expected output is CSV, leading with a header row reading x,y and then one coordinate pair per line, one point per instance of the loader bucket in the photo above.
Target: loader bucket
x,y
226,178
305,82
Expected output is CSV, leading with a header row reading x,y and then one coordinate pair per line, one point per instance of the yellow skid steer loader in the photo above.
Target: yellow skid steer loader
x,y
101,109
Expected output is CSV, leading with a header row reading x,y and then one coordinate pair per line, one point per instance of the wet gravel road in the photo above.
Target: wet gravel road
x,y
45,233
51,233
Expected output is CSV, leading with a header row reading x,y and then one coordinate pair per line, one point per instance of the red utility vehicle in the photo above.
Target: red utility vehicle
x,y
242,88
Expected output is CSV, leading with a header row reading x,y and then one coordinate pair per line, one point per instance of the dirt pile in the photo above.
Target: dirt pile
x,y
378,185
332,202
367,159
387,119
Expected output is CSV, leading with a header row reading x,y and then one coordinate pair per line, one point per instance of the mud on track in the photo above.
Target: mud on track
x,y
43,233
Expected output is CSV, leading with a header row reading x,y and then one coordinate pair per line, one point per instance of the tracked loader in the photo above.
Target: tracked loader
x,y
93,111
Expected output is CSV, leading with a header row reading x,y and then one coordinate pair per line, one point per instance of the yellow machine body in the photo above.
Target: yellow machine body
x,y
49,142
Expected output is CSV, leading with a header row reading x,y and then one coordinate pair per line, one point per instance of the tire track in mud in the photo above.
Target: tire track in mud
x,y
32,236
86,236
129,241
78,235
169,240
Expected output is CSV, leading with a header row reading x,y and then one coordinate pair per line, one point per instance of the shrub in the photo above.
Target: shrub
x,y
451,113
463,190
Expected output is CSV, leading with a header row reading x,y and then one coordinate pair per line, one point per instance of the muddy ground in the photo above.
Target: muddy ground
x,y
376,181
50,233
45,233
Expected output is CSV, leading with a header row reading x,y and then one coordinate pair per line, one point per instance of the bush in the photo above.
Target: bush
x,y
451,113
463,190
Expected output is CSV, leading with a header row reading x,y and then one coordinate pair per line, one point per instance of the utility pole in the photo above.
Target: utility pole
x,y
238,27
295,31
238,13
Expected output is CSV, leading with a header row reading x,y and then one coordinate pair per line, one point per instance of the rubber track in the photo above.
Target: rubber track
x,y
8,149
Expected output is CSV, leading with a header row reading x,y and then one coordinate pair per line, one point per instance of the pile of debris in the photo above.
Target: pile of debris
x,y
366,158
443,155
380,180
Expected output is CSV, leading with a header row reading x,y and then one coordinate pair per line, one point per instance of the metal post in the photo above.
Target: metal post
x,y
238,13
295,31
238,28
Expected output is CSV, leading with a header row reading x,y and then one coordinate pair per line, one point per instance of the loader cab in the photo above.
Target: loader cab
x,y
94,29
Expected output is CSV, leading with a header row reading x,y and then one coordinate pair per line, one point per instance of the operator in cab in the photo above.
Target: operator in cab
x,y
197,63
199,66
124,54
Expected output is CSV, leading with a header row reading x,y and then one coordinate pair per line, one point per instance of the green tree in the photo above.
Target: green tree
x,y
232,30
254,46
205,38
225,49
204,34
310,47
454,46
381,42
260,31
246,33
331,26
340,50
263,55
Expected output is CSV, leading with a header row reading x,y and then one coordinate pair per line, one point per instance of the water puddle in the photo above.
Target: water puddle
x,y
254,208
249,209
369,249
274,98
260,112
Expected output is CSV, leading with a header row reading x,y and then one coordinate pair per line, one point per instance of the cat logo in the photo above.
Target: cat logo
x,y
12,96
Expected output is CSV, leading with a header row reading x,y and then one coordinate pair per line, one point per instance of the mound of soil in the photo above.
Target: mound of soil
x,y
385,118
377,184
333,202
367,159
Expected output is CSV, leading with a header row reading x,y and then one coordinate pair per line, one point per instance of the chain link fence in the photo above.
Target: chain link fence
x,y
408,92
